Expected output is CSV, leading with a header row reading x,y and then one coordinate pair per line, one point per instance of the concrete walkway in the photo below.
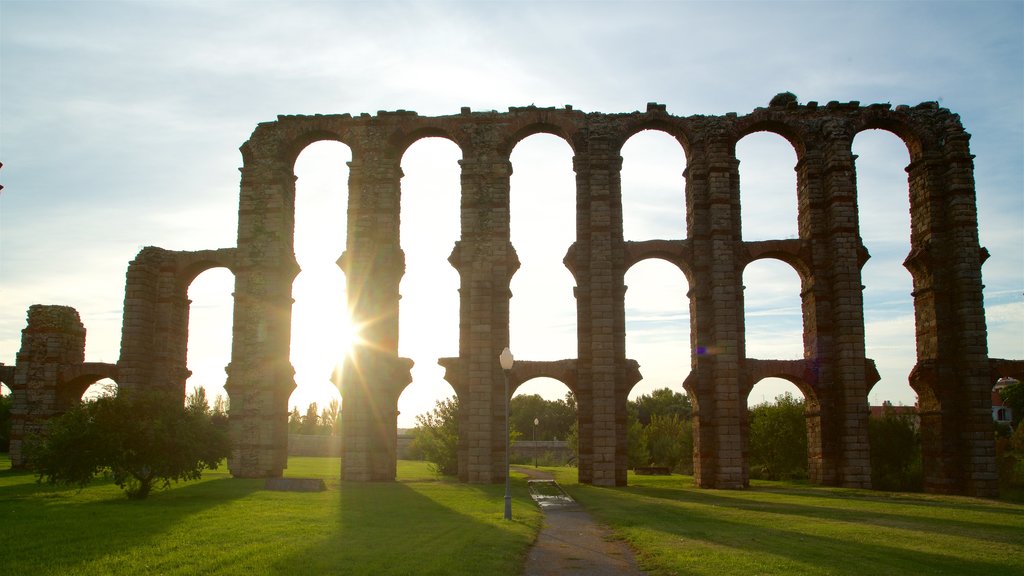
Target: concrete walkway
x,y
571,542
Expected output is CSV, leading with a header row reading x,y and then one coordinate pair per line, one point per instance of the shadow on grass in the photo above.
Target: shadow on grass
x,y
60,530
685,530
419,527
891,513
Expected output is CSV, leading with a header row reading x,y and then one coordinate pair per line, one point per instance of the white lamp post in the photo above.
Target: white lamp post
x,y
535,422
506,360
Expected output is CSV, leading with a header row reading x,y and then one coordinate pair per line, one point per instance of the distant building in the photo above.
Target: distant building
x,y
1001,413
888,407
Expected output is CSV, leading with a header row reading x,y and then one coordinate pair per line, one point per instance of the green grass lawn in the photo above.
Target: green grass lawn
x,y
221,525
425,525
785,528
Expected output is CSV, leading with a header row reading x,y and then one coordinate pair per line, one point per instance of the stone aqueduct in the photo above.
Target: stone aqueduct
x,y
953,375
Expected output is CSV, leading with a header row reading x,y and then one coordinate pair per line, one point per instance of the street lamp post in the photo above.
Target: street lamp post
x,y
506,360
535,422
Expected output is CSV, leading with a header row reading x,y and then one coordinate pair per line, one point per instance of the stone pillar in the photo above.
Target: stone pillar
x,y
154,331
486,261
822,447
848,384
950,377
599,270
53,340
260,376
716,310
374,376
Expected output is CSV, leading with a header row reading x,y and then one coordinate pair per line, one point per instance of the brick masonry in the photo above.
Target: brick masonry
x,y
953,376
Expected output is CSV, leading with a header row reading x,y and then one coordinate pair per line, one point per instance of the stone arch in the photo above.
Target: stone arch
x,y
525,122
657,119
76,379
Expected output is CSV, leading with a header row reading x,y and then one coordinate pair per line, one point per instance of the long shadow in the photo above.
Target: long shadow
x,y
991,531
57,530
418,527
707,520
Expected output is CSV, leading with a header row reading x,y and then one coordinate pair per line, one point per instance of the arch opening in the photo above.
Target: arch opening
x,y
779,430
889,326
653,186
772,311
429,305
768,199
321,332
544,423
212,308
542,310
658,325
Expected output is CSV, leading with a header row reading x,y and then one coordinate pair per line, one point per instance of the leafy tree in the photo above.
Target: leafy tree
x,y
664,402
143,440
1013,398
5,423
670,442
659,432
895,452
311,421
436,436
294,420
778,439
330,423
636,443
555,418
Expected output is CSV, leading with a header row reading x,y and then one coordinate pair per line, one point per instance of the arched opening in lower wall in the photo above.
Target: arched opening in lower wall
x,y
657,325
98,389
777,431
209,346
543,421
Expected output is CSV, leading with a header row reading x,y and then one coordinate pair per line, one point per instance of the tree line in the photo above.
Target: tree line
x,y
660,434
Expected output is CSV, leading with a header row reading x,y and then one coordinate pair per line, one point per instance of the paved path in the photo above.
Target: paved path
x,y
571,542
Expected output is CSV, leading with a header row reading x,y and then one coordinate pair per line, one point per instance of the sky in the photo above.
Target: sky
x,y
120,124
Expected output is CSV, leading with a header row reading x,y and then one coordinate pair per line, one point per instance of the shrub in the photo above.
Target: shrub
x,y
895,452
778,439
437,436
142,440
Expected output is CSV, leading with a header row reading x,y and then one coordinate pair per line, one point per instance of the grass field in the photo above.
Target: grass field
x,y
785,528
425,525
221,525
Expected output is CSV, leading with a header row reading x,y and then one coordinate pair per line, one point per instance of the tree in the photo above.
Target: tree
x,y
664,402
670,442
437,436
143,440
311,421
330,423
555,418
5,423
895,452
1013,398
659,432
294,420
778,439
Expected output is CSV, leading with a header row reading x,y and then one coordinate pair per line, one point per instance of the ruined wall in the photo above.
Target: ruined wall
x,y
50,374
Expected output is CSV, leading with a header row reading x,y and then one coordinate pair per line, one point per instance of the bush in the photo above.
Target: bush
x,y
5,423
896,463
778,439
142,440
436,436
